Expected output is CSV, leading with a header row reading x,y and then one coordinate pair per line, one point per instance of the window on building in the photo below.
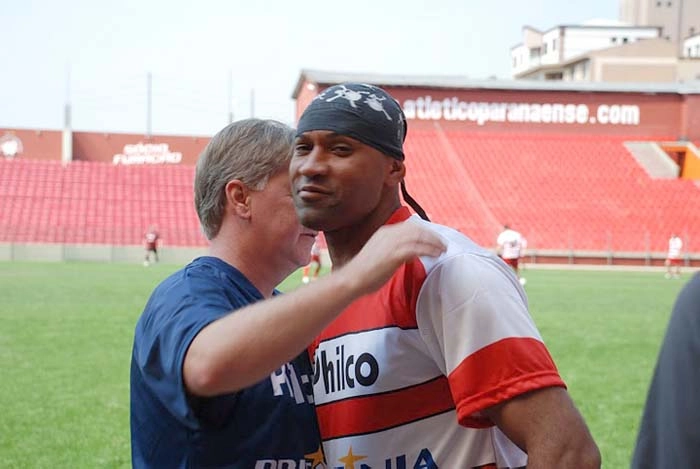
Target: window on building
x,y
697,50
658,4
625,40
554,44
691,31
545,47
668,4
613,40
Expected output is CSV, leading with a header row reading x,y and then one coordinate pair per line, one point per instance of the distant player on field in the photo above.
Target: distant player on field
x,y
150,242
315,259
511,246
673,258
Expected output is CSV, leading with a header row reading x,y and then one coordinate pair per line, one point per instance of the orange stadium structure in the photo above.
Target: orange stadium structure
x,y
589,173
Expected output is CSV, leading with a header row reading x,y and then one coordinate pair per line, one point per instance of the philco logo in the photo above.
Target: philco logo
x,y
10,145
340,372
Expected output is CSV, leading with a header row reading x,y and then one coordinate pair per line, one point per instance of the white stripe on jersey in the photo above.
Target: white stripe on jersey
x,y
370,362
481,289
460,447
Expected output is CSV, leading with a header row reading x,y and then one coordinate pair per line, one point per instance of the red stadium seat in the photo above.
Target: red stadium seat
x,y
561,192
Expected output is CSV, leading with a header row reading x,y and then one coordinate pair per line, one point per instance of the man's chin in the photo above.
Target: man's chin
x,y
313,219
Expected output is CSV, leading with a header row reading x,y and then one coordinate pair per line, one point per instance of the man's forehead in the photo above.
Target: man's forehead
x,y
324,135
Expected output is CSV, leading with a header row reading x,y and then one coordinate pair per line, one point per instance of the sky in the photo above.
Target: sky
x,y
211,57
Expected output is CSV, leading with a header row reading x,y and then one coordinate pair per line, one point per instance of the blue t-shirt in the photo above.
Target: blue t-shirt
x,y
270,424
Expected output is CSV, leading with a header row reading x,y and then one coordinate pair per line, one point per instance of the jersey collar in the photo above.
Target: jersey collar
x,y
401,214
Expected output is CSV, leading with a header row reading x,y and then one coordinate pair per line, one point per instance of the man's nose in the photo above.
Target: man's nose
x,y
314,163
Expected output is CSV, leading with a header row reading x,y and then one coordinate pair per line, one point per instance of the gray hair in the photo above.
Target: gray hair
x,y
249,150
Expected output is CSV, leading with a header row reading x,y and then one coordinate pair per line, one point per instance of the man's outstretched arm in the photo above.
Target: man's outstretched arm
x,y
228,354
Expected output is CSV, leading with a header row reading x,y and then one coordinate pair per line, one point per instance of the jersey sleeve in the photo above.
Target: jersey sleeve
x,y
473,316
173,318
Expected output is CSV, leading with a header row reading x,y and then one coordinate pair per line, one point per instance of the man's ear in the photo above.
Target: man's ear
x,y
238,198
397,171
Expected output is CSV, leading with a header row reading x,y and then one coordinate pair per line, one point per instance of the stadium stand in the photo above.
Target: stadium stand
x,y
96,203
562,192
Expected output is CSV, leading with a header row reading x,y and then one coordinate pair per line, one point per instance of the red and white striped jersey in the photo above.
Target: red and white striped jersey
x,y
511,243
402,375
675,245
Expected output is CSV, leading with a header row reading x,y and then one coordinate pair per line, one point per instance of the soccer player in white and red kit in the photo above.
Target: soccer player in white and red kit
x,y
443,366
511,246
673,258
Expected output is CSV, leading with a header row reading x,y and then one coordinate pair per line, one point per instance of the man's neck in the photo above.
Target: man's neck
x,y
345,243
264,274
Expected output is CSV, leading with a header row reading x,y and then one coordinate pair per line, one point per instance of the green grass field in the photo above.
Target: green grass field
x,y
66,332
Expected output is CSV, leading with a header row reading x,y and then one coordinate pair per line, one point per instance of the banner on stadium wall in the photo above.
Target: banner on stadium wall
x,y
147,153
483,113
132,149
628,114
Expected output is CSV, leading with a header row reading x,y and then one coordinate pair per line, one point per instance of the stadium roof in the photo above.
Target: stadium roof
x,y
320,77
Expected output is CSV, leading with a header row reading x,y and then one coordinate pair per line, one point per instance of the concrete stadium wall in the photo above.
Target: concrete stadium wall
x,y
592,258
178,255
93,253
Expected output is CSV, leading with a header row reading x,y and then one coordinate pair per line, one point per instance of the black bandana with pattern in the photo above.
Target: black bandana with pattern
x,y
364,112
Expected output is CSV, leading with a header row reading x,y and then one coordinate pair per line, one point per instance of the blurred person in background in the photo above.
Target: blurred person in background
x,y
673,257
669,433
315,261
150,242
510,246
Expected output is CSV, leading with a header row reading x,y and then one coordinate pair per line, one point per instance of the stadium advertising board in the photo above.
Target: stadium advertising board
x,y
115,148
147,153
544,111
133,149
482,113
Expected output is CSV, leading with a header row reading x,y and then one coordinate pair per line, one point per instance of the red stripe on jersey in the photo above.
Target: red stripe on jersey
x,y
370,414
392,305
498,372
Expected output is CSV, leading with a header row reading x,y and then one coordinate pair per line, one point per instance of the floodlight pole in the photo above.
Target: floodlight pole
x,y
149,103
230,96
67,134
